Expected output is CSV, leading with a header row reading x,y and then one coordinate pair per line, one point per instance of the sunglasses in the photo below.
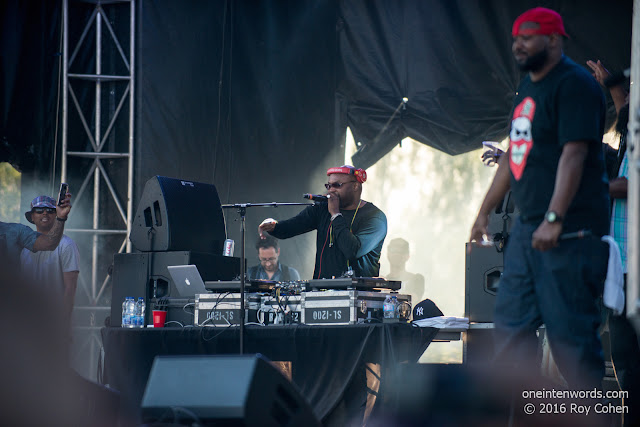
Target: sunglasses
x,y
336,184
43,210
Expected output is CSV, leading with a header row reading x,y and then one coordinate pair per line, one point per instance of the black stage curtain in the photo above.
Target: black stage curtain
x,y
30,46
230,91
327,362
452,59
236,93
239,94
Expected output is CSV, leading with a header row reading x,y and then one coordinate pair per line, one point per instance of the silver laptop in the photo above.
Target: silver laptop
x,y
187,280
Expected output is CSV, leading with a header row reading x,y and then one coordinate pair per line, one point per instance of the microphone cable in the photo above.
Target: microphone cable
x,y
322,252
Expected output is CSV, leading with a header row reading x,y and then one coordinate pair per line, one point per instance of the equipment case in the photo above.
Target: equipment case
x,y
271,310
223,309
344,307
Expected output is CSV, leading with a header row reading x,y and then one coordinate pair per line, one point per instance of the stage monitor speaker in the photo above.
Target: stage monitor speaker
x,y
484,267
223,391
178,215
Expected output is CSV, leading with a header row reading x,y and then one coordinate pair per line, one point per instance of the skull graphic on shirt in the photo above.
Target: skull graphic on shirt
x,y
520,139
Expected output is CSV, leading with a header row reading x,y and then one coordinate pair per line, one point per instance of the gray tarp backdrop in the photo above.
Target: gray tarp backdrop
x,y
255,96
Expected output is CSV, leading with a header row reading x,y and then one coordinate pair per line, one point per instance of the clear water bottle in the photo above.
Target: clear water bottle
x,y
388,308
396,304
128,309
139,313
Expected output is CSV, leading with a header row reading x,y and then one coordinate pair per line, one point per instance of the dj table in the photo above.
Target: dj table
x,y
327,363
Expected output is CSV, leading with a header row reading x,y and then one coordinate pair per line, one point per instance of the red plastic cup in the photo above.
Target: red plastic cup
x,y
159,317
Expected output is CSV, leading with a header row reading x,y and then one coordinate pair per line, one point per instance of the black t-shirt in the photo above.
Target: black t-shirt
x,y
566,105
341,244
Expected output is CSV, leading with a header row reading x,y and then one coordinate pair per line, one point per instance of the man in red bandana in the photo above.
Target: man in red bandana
x,y
555,170
350,230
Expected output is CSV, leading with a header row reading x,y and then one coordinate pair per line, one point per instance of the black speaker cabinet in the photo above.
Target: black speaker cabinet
x,y
128,279
223,391
484,267
145,275
178,215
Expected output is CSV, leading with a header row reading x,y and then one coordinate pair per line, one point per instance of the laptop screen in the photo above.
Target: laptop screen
x,y
187,280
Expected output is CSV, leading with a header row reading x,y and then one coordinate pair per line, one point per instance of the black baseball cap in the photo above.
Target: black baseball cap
x,y
426,309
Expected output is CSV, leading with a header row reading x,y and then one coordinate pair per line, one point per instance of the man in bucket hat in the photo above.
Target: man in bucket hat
x,y
56,270
15,237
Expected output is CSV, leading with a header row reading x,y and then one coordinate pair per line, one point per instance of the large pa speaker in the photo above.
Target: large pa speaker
x,y
178,215
222,391
483,271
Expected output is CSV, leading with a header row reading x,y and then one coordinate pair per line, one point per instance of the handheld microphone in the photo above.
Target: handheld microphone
x,y
580,234
316,197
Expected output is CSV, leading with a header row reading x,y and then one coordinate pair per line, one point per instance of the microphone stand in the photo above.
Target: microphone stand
x,y
242,210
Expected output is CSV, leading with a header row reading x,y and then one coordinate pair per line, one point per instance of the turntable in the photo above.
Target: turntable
x,y
374,284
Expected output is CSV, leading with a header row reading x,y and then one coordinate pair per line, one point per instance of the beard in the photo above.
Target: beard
x,y
534,62
347,200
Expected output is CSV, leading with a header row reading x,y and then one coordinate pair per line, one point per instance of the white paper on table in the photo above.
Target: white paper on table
x,y
443,322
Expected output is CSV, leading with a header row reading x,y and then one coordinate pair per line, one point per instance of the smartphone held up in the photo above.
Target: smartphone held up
x,y
64,189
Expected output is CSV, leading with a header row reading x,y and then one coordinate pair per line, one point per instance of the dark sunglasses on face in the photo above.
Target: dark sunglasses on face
x,y
43,210
336,184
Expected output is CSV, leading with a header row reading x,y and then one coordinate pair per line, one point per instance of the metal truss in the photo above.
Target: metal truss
x,y
98,126
97,144
86,347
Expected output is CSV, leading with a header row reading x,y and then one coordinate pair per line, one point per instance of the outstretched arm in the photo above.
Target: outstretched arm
x,y
498,189
618,92
304,222
49,241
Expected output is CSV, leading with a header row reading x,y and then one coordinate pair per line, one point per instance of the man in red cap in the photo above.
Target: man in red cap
x,y
554,167
350,230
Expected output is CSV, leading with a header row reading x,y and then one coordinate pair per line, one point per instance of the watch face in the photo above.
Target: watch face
x,y
551,216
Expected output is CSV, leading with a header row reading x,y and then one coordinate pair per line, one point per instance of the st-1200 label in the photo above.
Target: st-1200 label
x,y
327,315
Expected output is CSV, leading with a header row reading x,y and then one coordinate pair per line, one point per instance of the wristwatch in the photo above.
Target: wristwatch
x,y
552,217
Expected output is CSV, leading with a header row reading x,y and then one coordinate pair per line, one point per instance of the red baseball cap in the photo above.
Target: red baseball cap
x,y
549,22
359,174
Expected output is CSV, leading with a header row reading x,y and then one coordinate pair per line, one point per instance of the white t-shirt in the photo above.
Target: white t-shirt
x,y
46,268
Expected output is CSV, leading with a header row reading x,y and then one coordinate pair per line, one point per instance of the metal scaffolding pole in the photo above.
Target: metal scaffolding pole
x,y
106,53
633,277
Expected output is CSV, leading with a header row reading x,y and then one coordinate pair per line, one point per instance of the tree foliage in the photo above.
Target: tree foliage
x,y
9,193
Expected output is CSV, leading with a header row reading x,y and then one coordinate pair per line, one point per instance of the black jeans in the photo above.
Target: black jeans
x,y
560,288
